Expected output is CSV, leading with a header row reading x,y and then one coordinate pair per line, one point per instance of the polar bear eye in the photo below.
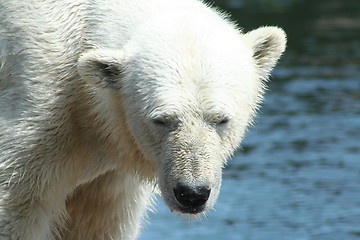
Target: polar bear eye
x,y
165,121
160,122
217,120
223,121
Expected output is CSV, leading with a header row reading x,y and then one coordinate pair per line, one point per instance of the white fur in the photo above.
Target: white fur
x,y
100,100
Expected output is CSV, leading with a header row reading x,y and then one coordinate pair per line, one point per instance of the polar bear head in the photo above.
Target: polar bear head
x,y
189,90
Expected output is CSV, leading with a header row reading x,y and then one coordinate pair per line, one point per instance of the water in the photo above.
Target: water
x,y
297,176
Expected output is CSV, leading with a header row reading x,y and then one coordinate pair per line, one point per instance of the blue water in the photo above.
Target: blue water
x,y
297,176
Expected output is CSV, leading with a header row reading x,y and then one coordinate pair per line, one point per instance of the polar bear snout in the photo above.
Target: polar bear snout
x,y
192,199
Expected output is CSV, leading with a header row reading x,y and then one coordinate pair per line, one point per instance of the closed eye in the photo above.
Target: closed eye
x,y
223,121
165,121
160,122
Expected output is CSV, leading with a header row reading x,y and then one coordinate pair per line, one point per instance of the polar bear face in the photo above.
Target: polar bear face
x,y
188,99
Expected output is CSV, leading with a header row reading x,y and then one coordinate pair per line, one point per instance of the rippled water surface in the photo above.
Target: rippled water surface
x,y
297,176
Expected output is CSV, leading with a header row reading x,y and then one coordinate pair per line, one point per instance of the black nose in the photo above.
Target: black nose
x,y
191,197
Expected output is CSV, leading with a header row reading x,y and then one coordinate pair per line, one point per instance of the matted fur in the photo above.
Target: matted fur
x,y
102,100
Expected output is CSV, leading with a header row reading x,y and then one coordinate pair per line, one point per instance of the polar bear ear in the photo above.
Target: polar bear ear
x,y
268,44
102,67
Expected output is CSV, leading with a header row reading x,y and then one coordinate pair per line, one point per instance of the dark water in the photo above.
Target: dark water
x,y
297,176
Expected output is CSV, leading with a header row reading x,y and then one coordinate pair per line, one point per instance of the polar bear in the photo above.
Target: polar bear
x,y
105,101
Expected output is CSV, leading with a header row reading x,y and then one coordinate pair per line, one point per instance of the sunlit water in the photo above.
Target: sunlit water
x,y
297,176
